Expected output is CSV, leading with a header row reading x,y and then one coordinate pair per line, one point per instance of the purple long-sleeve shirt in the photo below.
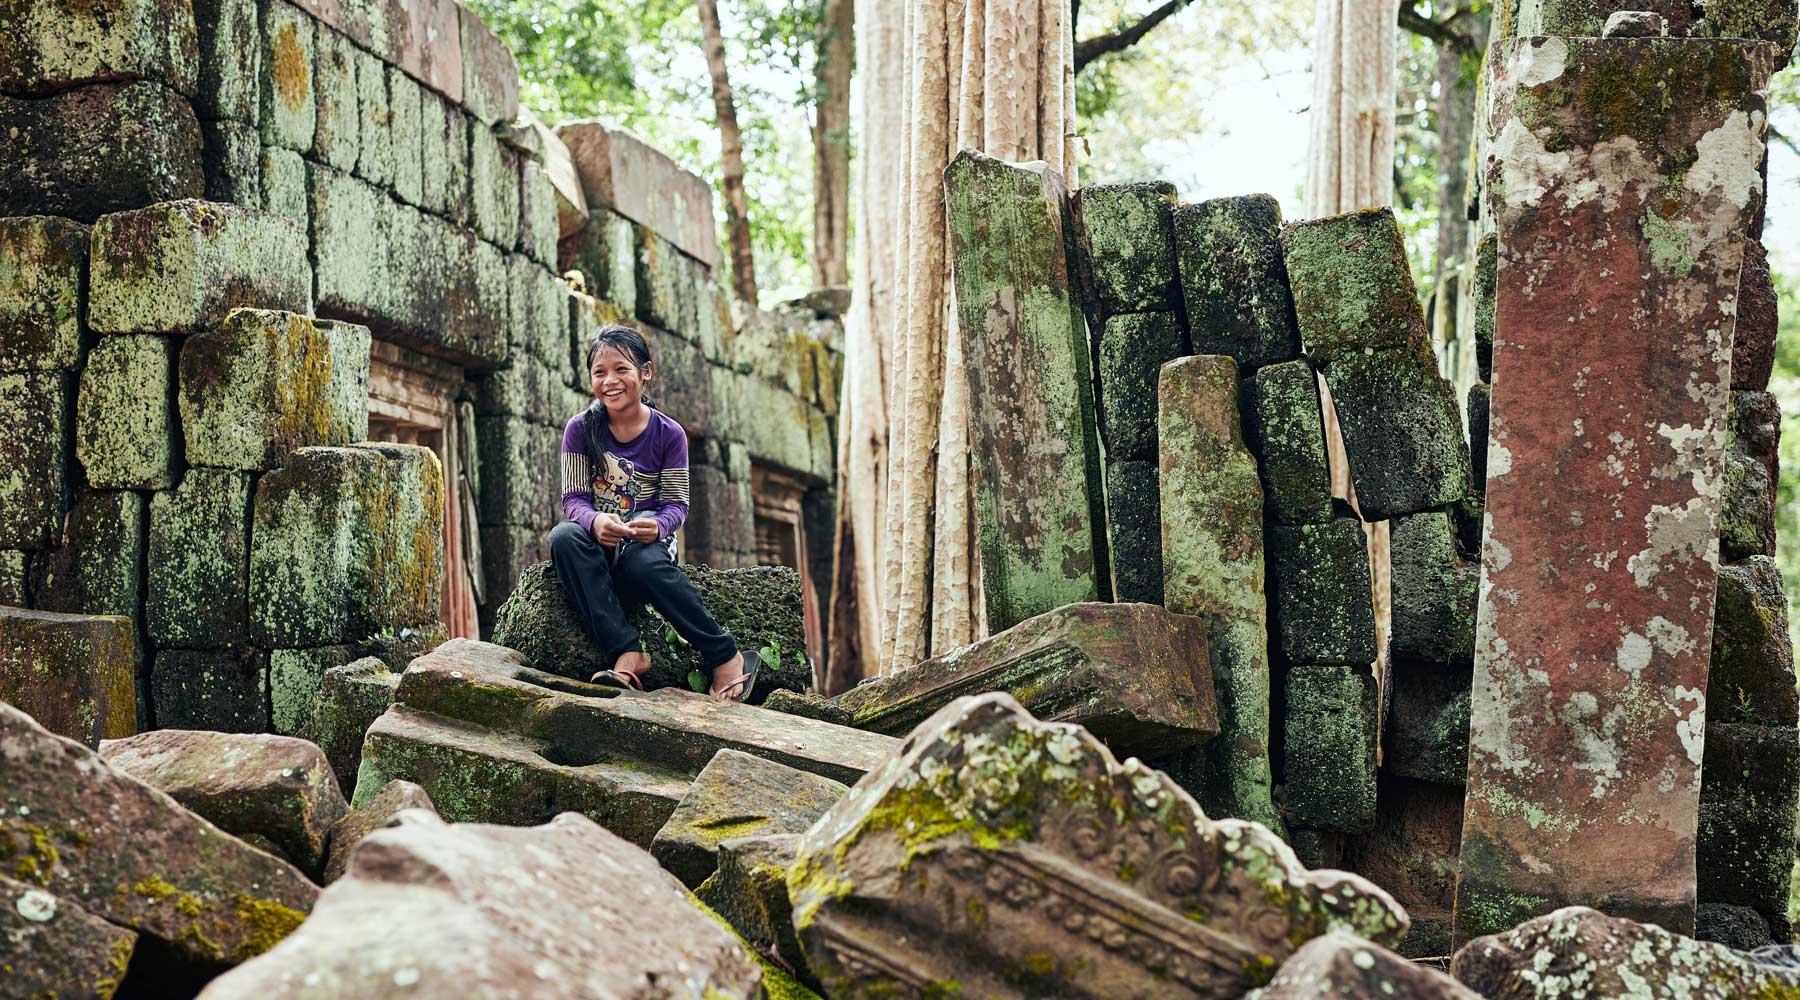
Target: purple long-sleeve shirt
x,y
646,474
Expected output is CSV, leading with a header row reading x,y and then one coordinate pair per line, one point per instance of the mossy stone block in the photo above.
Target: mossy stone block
x,y
1749,801
1319,583
94,569
15,569
1353,289
444,130
217,690
269,382
233,162
522,388
295,678
1401,431
102,148
402,534
184,265
668,284
1330,748
1131,245
1427,730
1133,349
494,187
283,175
231,61
517,457
338,135
1769,20
53,45
1134,530
43,268
350,698
738,795
778,425
1481,396
538,230
1434,587
1234,280
749,890
1752,468
539,302
125,430
198,563
605,252
1758,321
406,135
1286,427
1751,678
1487,297
72,673
375,149
289,111
34,407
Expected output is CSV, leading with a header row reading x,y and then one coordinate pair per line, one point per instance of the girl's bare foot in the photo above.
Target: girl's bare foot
x,y
632,662
725,677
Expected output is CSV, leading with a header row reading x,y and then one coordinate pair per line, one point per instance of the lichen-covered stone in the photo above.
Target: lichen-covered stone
x,y
1353,289
1329,753
93,570
540,317
1133,675
1434,590
338,134
1751,677
198,567
1235,282
490,75
284,193
53,45
380,811
350,698
1749,802
738,795
530,452
232,154
1427,729
1480,397
218,690
273,790
1212,540
524,387
1134,530
289,110
269,382
1016,858
55,947
231,61
1319,592
604,251
34,407
1286,429
494,185
749,890
1345,967
1736,927
375,144
444,129
15,568
96,149
1131,245
72,673
1402,433
538,230
295,678
1487,290
184,265
43,261
1412,853
668,283
808,705
406,135
125,425
1752,468
1758,322
1133,349
1035,457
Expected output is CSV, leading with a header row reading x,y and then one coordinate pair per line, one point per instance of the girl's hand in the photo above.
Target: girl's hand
x,y
610,531
645,531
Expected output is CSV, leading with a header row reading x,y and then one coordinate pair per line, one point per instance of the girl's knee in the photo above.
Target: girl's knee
x,y
566,537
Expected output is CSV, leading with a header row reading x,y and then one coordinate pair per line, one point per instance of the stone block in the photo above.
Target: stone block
x,y
56,947
94,568
1130,230
605,252
1758,322
1752,469
1480,398
490,76
33,477
425,51
54,45
738,795
519,460
1353,289
15,574
295,680
1134,530
1345,967
406,104
269,382
350,698
181,266
1319,592
284,191
232,154
289,111
1133,349
668,284
1737,927
522,388
43,267
1286,429
1411,851
378,813
1427,730
337,137
1402,433
218,690
507,551
72,673
1434,591
125,424
1748,807
622,172
444,172
1751,677
1234,280
1330,752
1487,290
750,892
684,387
780,434
231,61
494,186
198,563
101,148
375,148
539,303
538,231
808,705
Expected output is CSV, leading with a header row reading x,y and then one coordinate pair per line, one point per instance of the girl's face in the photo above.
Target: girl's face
x,y
618,383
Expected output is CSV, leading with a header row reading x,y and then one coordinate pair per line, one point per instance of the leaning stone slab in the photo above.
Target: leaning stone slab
x,y
125,423
53,46
1133,349
1036,460
1345,967
1402,433
1330,747
1134,675
1285,426
56,948
1234,281
1353,289
1053,870
275,792
72,673
184,265
481,924
42,264
621,172
350,698
1319,592
32,478
198,563
738,795
378,812
131,855
1627,428
1130,231
1212,521
98,149
218,690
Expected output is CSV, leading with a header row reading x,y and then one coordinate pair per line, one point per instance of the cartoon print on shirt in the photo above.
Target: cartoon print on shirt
x,y
618,486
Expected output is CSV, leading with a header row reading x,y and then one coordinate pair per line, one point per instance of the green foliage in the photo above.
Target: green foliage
x,y
697,681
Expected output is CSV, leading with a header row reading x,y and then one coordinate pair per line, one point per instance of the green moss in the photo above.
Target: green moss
x,y
266,922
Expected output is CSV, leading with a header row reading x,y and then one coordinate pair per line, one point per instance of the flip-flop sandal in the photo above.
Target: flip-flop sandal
x,y
618,679
744,684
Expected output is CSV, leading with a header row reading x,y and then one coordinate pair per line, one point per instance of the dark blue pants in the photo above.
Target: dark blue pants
x,y
604,585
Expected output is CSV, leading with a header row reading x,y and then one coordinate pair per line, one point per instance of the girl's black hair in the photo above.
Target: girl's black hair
x,y
626,341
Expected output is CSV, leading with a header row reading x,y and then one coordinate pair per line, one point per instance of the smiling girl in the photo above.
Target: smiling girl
x,y
625,492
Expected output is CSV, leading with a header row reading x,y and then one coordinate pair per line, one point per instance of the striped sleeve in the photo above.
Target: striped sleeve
x,y
577,477
672,487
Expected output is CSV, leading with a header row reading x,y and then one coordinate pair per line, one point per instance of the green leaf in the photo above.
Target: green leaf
x,y
771,654
673,637
697,681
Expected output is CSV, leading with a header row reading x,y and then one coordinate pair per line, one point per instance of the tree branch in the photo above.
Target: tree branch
x,y
1442,32
1089,49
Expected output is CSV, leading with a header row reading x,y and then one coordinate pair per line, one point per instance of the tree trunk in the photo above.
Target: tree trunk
x,y
731,155
1456,76
831,144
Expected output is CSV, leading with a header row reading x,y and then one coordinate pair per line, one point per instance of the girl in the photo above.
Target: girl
x,y
622,457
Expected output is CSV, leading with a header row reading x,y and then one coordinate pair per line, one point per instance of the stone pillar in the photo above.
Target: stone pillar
x,y
1595,621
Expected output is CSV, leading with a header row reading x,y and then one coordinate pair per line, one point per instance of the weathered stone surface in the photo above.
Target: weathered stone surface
x,y
1487,291
93,570
1319,592
538,231
1427,728
32,476
132,856
218,690
125,425
1611,956
1434,591
284,184
42,264
1401,430
269,790
198,561
1235,282
490,75
1130,230
1480,398
621,172
1749,803
269,382
738,795
231,61
1758,322
1133,349
1752,468
98,149
540,316
72,673
15,567
1329,755
351,698
406,135
184,265
1751,676
288,107
808,705
310,697
1411,852
1286,428
1621,603
604,251
1134,531
668,283
444,174
1353,289
232,155
494,185
56,45
1345,967
1134,675
56,948
1035,460
760,607
1736,927
338,132
749,891
378,812
1213,568
1053,870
